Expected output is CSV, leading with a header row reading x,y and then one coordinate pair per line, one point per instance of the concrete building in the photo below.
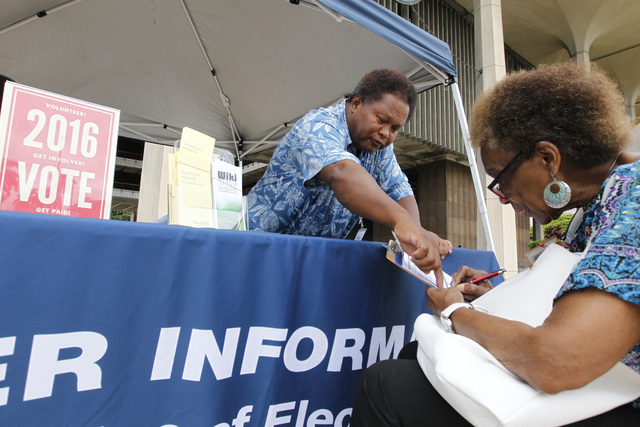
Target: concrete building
x,y
508,35
489,38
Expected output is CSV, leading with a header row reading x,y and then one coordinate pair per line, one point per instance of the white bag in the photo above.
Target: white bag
x,y
483,391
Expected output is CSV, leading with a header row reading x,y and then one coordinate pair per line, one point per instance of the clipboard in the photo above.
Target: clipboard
x,y
396,255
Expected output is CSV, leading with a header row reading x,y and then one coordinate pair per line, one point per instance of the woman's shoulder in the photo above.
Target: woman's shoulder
x,y
630,163
624,179
627,157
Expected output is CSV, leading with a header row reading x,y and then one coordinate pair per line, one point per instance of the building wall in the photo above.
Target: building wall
x,y
435,118
447,202
516,62
444,189
522,238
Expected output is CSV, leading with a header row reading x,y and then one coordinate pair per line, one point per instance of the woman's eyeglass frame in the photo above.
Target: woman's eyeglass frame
x,y
494,186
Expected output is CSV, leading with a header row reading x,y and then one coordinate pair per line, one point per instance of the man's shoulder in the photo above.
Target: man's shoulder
x,y
329,122
334,114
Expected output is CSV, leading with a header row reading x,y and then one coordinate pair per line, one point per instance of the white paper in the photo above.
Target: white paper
x,y
429,278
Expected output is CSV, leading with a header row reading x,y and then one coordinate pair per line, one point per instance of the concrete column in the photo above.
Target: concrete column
x,y
522,239
153,202
490,59
446,199
538,231
631,110
581,57
378,233
489,42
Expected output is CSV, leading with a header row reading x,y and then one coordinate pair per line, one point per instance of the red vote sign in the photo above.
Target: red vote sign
x,y
57,154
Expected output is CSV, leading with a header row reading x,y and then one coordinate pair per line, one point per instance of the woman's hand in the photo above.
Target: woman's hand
x,y
438,299
444,246
462,279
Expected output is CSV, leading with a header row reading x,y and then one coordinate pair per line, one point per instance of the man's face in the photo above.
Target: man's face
x,y
375,125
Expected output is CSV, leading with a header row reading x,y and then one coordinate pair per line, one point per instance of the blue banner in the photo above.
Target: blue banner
x,y
108,323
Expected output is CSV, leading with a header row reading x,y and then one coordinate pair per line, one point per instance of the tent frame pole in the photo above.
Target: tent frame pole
x,y
462,118
38,15
442,77
288,124
223,97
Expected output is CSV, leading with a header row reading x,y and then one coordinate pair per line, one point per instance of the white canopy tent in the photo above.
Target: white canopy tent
x,y
241,71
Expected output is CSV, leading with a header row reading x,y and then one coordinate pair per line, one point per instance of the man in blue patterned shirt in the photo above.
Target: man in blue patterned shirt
x,y
337,165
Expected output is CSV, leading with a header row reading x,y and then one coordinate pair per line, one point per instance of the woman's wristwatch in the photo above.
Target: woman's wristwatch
x,y
445,315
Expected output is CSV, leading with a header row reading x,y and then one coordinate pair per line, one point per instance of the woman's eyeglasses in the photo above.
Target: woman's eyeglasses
x,y
495,184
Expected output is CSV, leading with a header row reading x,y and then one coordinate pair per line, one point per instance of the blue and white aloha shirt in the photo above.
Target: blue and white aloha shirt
x,y
612,262
292,199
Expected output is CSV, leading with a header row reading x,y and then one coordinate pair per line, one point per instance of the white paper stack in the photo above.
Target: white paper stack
x,y
190,201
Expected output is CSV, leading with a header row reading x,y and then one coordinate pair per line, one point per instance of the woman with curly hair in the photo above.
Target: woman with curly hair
x,y
553,140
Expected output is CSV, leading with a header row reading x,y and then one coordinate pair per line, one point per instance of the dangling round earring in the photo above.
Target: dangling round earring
x,y
559,199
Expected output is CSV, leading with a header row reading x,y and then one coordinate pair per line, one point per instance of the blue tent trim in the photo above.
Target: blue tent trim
x,y
396,30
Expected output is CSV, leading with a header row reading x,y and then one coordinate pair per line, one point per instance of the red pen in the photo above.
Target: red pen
x,y
489,276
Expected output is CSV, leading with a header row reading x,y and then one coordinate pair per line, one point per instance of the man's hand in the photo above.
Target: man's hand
x,y
461,280
422,245
356,189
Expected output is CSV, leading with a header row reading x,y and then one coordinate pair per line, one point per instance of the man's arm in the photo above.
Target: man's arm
x,y
410,205
361,194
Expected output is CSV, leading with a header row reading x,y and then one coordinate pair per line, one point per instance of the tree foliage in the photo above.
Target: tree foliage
x,y
555,228
121,215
